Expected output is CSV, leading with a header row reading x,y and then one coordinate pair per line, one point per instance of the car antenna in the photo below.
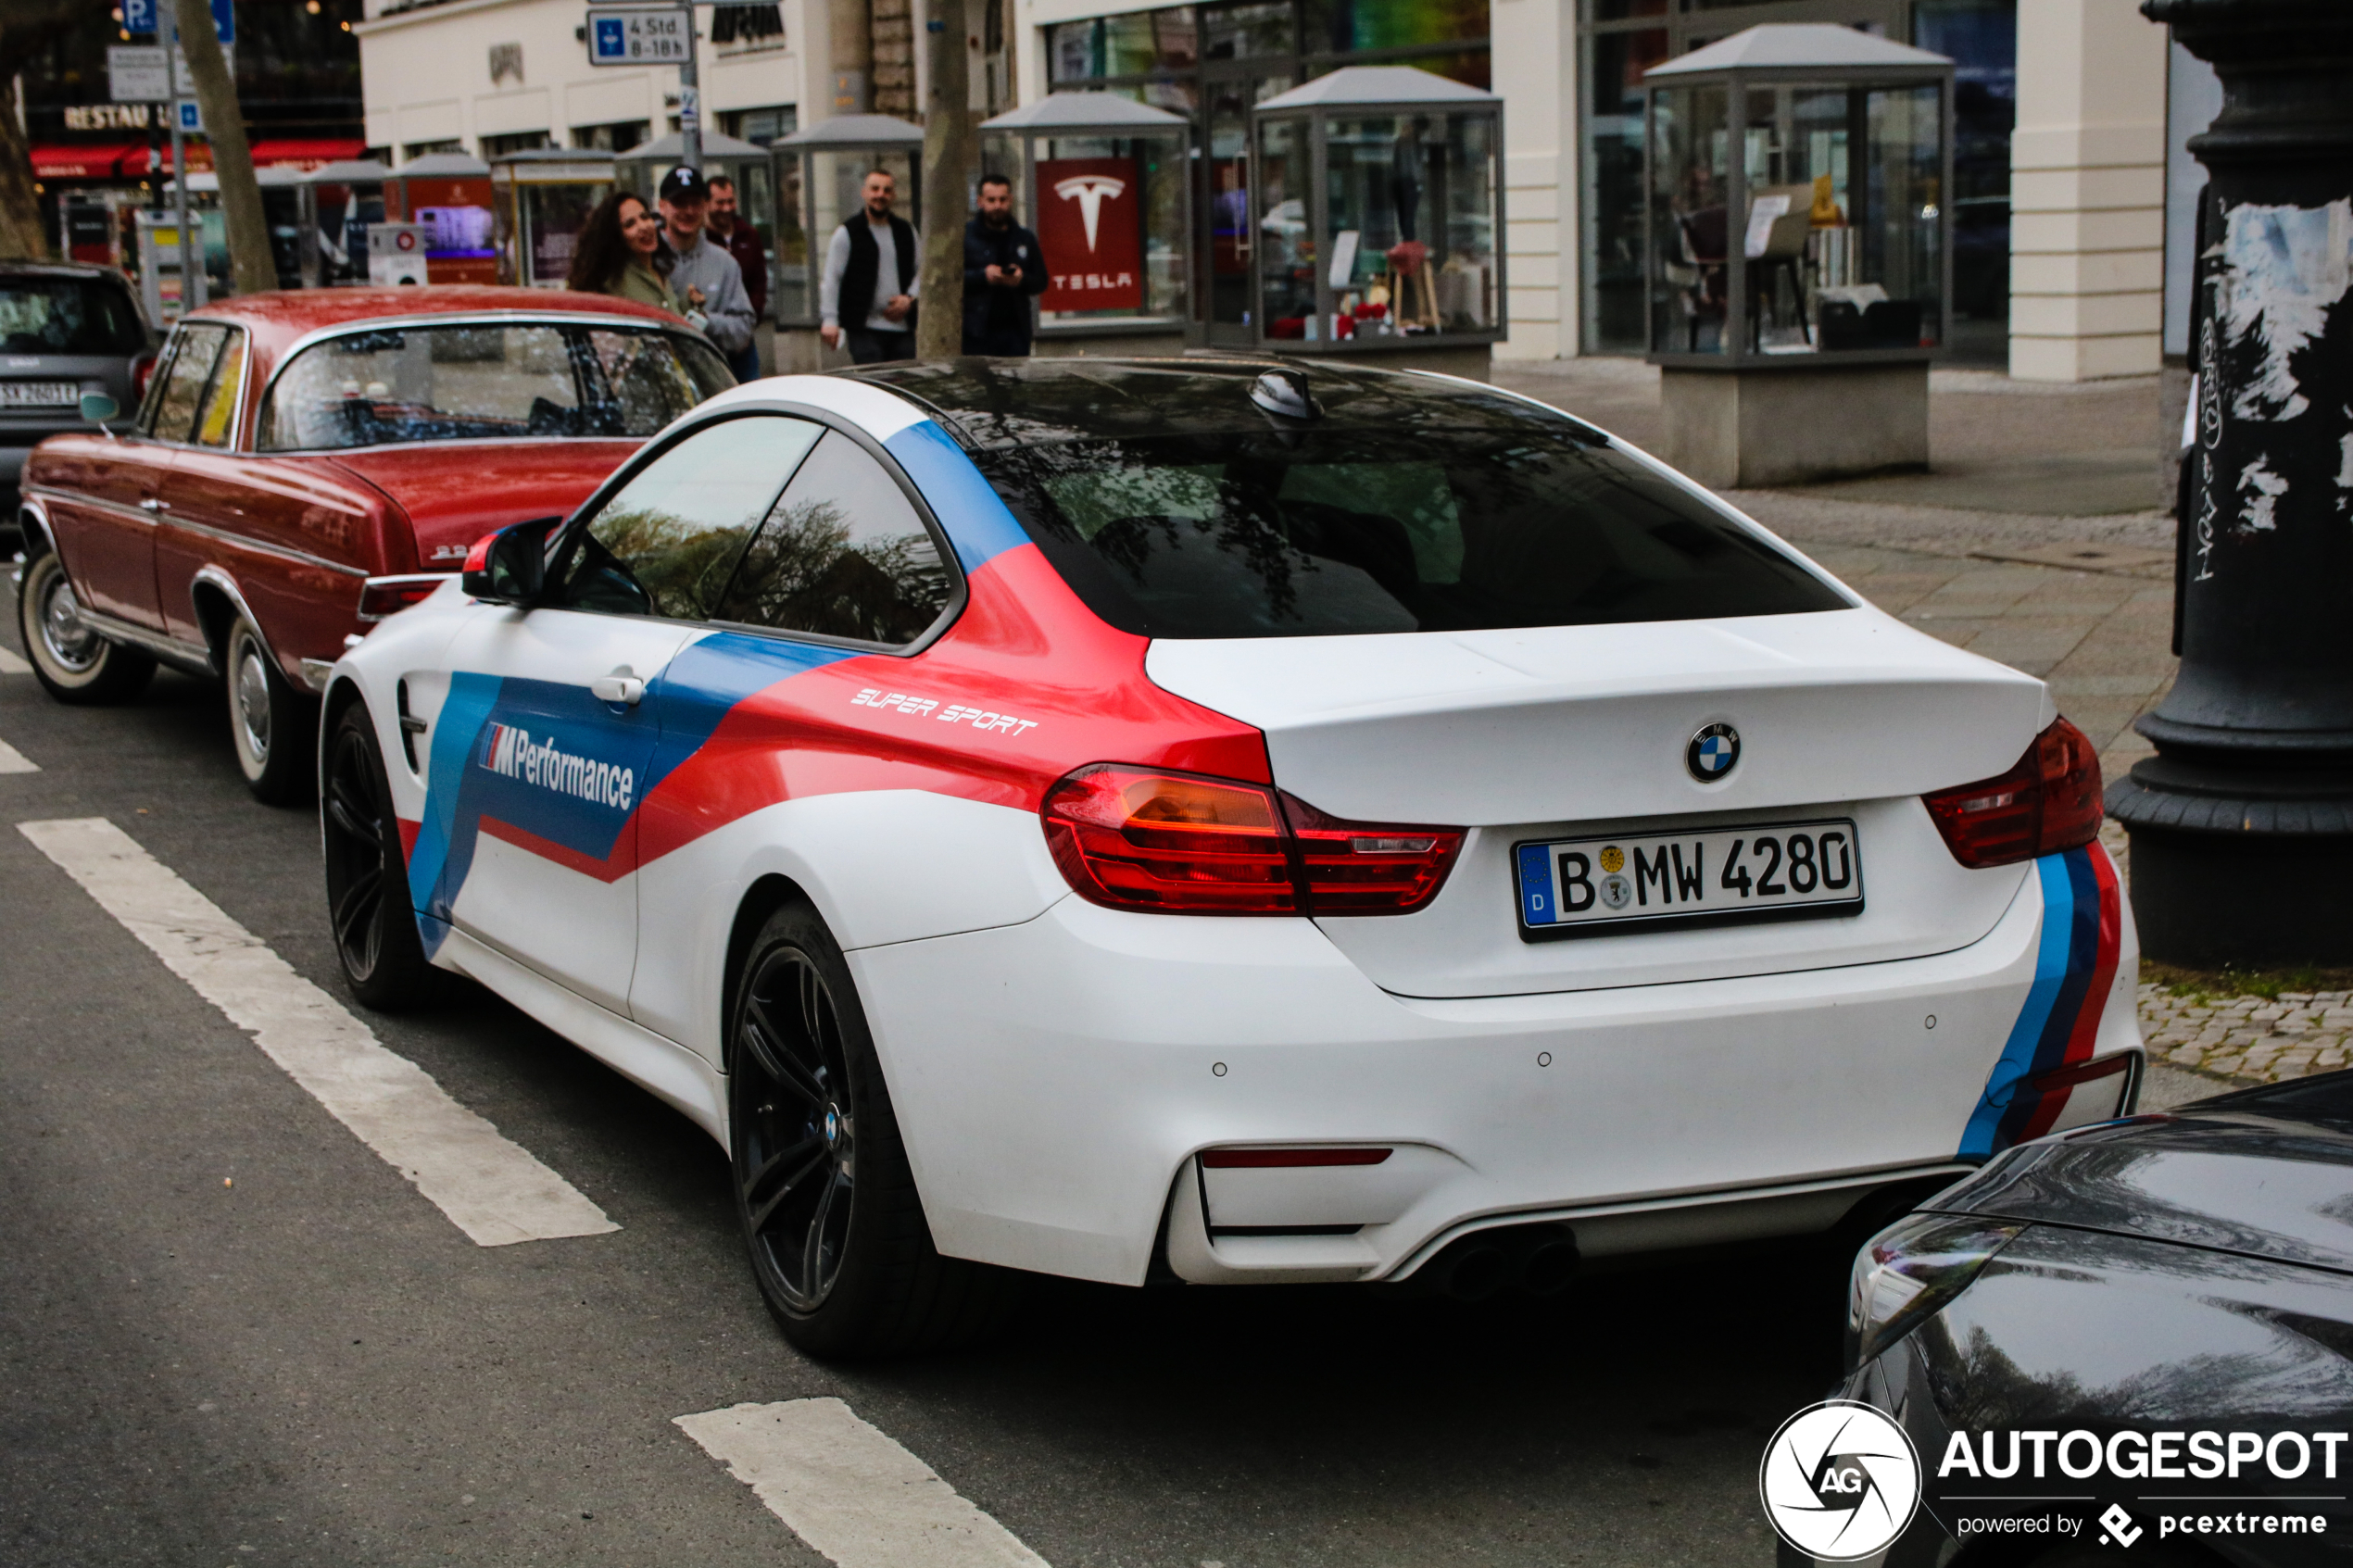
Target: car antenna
x,y
1284,392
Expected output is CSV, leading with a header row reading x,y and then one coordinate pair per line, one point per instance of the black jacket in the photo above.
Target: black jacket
x,y
997,320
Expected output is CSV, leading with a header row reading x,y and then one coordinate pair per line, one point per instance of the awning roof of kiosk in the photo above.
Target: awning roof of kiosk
x,y
672,147
854,130
441,166
1799,46
358,171
534,158
1376,84
1088,111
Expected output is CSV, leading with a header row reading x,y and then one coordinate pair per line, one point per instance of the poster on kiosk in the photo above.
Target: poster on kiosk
x,y
1089,224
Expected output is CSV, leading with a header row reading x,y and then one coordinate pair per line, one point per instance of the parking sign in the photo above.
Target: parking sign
x,y
138,15
638,38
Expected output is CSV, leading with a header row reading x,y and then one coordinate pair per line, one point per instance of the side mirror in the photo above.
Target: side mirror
x,y
510,566
99,407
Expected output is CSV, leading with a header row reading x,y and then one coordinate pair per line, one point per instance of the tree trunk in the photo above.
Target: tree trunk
x,y
950,148
851,25
21,236
251,264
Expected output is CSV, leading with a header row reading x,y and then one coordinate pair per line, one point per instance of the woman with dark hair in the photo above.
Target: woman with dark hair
x,y
618,253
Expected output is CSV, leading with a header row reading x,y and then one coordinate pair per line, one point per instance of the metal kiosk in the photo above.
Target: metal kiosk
x,y
336,202
1103,181
1798,290
819,173
1377,220
539,199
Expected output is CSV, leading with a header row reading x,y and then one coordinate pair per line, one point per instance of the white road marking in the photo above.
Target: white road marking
x,y
11,665
15,762
493,1190
851,1492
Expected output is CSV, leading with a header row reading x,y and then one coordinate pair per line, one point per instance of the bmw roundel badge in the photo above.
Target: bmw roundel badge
x,y
1712,752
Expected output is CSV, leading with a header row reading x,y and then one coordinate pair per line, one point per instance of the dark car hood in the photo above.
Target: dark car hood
x,y
2268,1173
455,493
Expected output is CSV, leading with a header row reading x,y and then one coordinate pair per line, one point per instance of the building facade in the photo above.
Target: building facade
x,y
2060,199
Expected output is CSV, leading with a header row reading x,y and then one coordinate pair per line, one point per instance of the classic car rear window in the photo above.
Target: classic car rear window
x,y
1326,532
463,382
68,316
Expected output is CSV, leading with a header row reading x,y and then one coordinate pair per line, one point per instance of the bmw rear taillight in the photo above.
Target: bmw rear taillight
x,y
1141,838
2049,802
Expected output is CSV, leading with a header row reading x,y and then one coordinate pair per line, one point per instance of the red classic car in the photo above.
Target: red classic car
x,y
292,446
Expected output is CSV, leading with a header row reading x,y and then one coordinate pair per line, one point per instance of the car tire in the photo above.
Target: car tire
x,y
270,722
369,910
74,663
824,1193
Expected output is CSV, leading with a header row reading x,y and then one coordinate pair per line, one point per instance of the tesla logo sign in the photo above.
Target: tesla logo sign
x,y
1092,233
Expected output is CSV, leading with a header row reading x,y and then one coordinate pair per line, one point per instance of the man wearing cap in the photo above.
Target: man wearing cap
x,y
704,275
867,292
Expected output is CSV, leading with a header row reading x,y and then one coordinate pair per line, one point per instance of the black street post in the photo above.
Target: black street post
x,y
2242,824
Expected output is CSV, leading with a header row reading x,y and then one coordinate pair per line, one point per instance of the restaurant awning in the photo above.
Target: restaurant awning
x,y
135,164
88,160
306,152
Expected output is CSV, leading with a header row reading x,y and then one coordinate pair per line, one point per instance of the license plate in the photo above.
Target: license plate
x,y
39,393
1768,871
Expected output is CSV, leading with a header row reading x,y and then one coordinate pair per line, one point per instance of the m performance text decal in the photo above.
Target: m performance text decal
x,y
510,752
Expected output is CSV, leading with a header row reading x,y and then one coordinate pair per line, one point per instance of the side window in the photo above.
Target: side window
x,y
667,541
843,554
184,386
219,416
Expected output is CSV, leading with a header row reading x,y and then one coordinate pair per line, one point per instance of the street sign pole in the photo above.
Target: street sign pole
x,y
190,295
690,100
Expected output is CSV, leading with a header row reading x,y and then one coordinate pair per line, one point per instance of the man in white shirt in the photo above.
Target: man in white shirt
x,y
868,291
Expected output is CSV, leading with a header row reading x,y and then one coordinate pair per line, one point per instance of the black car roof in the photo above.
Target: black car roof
x,y
1002,403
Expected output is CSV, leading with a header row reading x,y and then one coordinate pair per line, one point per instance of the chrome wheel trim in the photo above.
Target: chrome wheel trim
x,y
64,636
249,701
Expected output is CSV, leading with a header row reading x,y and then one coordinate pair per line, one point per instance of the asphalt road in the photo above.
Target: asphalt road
x,y
231,1334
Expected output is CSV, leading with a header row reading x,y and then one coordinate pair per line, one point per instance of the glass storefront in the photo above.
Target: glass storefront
x,y
1621,39
1213,63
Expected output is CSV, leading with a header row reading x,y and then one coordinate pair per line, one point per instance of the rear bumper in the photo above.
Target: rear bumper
x,y
1055,1081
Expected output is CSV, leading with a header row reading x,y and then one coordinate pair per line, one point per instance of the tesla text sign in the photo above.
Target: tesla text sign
x,y
1091,224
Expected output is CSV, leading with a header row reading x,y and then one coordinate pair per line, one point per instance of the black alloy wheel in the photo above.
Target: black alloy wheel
x,y
74,663
828,1206
368,903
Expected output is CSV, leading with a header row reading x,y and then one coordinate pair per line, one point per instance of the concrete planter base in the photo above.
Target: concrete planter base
x,y
1750,429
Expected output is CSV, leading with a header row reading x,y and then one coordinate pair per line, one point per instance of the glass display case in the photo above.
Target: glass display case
x,y
336,203
639,171
818,174
1797,201
1102,181
1377,214
541,197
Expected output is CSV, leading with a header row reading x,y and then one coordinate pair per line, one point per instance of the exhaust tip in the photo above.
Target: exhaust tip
x,y
1552,1267
1540,1260
1480,1272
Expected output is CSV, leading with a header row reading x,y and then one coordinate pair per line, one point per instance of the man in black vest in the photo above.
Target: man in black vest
x,y
868,290
1004,270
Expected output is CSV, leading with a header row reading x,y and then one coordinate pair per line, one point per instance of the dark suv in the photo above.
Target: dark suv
x,y
65,329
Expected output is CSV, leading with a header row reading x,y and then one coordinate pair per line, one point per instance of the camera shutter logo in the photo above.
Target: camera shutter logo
x,y
1840,1481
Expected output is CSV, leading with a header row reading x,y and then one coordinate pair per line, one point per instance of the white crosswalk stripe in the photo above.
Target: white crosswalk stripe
x,y
15,762
493,1189
850,1491
11,665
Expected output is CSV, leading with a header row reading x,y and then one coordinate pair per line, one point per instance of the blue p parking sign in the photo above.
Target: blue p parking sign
x,y
138,15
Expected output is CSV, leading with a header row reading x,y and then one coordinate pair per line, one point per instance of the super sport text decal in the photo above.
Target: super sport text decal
x,y
953,713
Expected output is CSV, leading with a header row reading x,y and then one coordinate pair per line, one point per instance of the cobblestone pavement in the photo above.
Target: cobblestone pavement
x,y
2250,1037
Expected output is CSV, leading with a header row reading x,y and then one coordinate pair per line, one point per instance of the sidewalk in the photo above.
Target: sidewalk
x,y
2037,540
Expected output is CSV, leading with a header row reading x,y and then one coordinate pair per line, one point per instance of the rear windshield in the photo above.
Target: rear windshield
x,y
1333,531
462,383
68,316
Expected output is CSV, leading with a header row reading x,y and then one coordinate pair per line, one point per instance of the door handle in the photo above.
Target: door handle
x,y
623,689
153,505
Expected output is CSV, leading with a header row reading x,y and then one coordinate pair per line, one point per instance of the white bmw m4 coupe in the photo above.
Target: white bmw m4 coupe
x,y
1229,821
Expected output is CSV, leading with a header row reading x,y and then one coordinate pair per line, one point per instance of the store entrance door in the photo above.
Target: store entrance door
x,y
1227,221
